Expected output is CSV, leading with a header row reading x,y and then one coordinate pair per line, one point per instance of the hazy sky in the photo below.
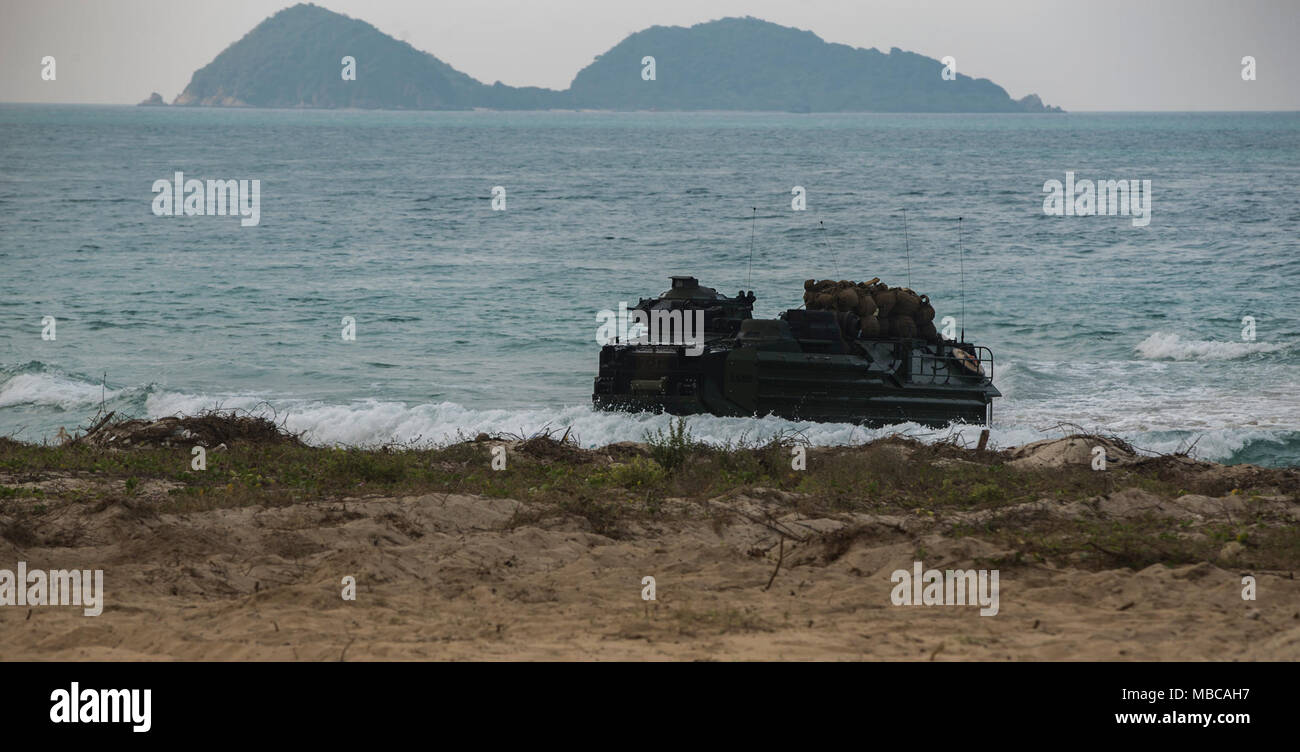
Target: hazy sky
x,y
1080,54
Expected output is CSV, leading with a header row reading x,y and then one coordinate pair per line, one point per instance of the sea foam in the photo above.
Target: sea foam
x,y
1166,346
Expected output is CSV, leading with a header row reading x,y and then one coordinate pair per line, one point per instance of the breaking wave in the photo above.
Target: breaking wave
x,y
52,390
41,401
1163,346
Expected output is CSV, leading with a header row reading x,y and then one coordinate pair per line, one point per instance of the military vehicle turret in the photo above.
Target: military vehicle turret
x,y
849,359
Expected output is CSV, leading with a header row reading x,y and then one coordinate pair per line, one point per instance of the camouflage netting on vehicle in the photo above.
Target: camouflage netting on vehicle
x,y
873,309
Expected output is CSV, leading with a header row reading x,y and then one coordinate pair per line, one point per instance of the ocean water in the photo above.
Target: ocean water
x,y
470,319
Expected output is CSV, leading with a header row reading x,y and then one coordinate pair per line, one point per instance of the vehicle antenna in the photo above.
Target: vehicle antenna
x,y
907,250
828,247
961,257
749,277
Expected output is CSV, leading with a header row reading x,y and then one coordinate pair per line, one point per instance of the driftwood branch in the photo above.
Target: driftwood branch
x,y
95,428
779,558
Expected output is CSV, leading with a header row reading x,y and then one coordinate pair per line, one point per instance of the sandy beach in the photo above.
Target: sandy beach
x,y
754,573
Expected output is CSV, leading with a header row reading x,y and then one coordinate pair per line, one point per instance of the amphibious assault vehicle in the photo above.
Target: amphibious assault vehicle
x,y
818,365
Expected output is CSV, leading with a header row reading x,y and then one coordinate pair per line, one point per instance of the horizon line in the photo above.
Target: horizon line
x,y
591,109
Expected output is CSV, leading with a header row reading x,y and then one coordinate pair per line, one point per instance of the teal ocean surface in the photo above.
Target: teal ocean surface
x,y
470,319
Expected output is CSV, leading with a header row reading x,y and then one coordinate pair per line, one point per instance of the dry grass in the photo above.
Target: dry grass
x,y
614,489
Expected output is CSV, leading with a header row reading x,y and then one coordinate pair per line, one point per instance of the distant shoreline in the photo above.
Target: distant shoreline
x,y
649,112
